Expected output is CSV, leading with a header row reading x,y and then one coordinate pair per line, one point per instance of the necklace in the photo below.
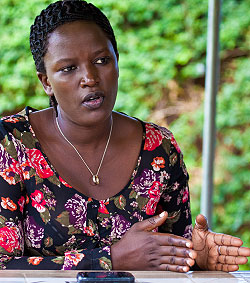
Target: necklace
x,y
95,178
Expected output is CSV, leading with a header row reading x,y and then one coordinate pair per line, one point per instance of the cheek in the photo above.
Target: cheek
x,y
62,85
112,76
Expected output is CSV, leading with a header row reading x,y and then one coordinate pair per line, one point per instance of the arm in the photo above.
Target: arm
x,y
166,249
175,199
142,249
214,251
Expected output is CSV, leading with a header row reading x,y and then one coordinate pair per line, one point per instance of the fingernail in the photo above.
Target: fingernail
x,y
162,214
185,269
188,263
191,255
188,245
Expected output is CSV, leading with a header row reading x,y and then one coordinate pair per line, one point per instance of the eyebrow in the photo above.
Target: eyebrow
x,y
100,51
65,60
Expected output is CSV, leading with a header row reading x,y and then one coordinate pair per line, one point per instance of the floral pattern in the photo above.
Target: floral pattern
x,y
7,203
72,258
34,233
38,201
77,207
158,163
119,227
34,260
47,224
9,239
38,162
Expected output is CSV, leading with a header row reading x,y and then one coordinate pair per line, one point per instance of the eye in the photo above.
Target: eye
x,y
102,60
68,69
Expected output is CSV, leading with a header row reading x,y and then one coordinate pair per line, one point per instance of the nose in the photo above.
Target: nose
x,y
89,78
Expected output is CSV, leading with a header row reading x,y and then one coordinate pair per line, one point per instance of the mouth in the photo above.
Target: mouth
x,y
93,100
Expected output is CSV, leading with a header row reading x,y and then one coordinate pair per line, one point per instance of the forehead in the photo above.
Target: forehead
x,y
77,35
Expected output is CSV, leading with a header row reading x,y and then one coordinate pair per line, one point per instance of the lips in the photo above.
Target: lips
x,y
93,100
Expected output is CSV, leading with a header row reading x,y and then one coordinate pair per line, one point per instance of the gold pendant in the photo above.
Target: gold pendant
x,y
96,180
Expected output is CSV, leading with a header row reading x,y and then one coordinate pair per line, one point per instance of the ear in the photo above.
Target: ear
x,y
117,56
46,83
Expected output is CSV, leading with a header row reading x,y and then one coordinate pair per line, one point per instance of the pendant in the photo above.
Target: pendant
x,y
95,180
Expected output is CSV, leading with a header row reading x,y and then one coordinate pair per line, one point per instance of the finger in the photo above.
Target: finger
x,y
173,240
175,268
176,251
201,223
151,223
226,267
234,251
172,260
227,240
233,260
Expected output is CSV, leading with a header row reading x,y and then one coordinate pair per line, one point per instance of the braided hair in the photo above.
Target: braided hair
x,y
57,14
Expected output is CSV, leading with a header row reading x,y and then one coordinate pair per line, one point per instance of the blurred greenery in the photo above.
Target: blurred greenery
x,y
162,47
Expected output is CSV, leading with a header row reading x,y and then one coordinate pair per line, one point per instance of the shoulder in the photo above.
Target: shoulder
x,y
13,124
157,136
154,135
128,128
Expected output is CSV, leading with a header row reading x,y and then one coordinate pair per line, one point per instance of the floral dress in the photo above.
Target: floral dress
x,y
47,224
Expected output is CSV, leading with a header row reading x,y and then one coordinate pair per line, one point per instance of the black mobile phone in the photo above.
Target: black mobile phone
x,y
109,276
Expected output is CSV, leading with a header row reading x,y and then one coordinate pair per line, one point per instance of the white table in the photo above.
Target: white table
x,y
48,276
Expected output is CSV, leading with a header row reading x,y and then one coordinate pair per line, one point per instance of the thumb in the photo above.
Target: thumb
x,y
201,223
151,223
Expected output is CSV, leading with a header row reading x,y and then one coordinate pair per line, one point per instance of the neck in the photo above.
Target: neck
x,y
84,135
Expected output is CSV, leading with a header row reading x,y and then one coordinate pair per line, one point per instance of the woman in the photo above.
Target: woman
x,y
84,187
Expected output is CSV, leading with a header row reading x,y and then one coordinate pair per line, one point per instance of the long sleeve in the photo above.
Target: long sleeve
x,y
175,198
161,181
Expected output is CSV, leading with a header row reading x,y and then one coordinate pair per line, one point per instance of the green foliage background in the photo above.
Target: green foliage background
x,y
162,45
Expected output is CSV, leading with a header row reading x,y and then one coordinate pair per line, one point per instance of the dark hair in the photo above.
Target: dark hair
x,y
57,14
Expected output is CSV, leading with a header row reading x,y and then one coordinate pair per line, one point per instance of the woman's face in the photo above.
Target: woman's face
x,y
81,71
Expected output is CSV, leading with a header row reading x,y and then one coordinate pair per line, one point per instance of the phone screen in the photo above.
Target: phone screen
x,y
109,276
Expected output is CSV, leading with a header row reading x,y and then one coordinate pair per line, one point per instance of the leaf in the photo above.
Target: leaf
x,y
142,201
60,249
133,194
73,230
105,263
166,143
54,180
10,148
4,252
38,179
48,242
45,216
173,217
92,224
63,219
28,139
173,158
2,221
120,202
58,260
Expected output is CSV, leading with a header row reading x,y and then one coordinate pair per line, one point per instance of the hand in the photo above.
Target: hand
x,y
142,249
217,251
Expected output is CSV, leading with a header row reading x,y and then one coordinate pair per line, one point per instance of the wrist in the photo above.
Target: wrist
x,y
115,257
